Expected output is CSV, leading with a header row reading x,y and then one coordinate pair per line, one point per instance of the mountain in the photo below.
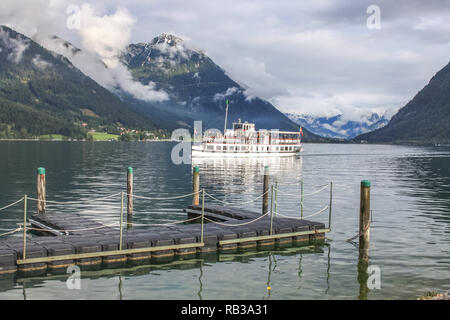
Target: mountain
x,y
423,120
42,92
337,126
197,88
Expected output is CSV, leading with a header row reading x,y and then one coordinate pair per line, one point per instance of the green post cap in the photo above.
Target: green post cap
x,y
365,183
130,170
41,170
196,169
266,170
228,102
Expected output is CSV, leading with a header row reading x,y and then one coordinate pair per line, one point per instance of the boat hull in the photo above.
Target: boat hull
x,y
221,154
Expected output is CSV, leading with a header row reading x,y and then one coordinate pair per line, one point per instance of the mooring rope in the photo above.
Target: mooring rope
x,y
78,201
236,204
359,233
74,230
238,224
11,232
304,195
12,204
116,224
311,215
163,224
167,198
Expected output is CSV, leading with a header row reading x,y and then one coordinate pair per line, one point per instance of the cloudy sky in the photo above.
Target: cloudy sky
x,y
311,56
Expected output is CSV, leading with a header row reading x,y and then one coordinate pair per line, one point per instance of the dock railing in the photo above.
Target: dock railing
x,y
273,212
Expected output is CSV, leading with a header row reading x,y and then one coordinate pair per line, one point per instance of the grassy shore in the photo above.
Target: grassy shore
x,y
52,137
102,136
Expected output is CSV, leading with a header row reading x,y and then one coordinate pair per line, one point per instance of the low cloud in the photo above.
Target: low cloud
x,y
40,63
102,38
106,37
16,46
314,57
258,82
223,96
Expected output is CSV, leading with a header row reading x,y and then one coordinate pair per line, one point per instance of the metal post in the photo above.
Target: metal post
x,y
203,213
226,118
25,227
129,198
301,203
276,197
330,205
265,204
121,220
271,210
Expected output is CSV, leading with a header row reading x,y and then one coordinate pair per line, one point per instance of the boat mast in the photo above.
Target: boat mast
x,y
226,118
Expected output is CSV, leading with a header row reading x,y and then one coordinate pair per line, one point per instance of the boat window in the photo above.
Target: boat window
x,y
231,148
219,148
209,148
225,148
277,148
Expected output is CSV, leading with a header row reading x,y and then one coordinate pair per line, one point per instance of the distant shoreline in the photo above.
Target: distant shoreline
x,y
318,142
68,140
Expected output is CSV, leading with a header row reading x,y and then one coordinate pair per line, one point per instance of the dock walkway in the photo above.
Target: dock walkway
x,y
76,239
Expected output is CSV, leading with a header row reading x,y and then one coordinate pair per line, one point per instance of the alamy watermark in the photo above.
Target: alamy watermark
x,y
73,21
374,18
374,279
242,141
74,280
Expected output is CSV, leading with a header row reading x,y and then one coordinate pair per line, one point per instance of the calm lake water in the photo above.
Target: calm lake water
x,y
410,235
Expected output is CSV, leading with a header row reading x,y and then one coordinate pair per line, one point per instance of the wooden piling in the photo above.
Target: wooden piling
x,y
121,222
364,239
196,186
25,203
130,191
265,204
41,191
364,215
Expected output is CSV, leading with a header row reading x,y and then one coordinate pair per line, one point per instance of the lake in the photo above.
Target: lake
x,y
410,234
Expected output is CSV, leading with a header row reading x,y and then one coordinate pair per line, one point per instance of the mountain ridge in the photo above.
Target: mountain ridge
x,y
34,78
423,120
198,87
337,126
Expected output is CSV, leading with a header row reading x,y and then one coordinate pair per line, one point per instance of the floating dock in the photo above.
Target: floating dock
x,y
76,239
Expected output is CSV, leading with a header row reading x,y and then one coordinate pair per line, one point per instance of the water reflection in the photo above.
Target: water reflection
x,y
153,270
238,180
200,286
426,178
363,264
120,287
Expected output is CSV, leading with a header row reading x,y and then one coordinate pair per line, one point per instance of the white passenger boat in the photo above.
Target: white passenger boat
x,y
244,141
